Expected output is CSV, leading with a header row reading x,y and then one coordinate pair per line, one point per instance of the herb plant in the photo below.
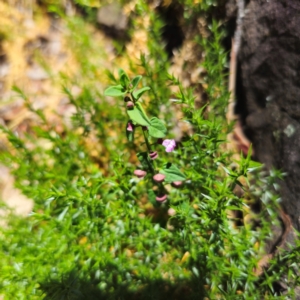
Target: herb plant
x,y
151,128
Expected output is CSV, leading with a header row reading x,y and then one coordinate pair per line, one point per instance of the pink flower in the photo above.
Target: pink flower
x,y
130,105
169,145
161,199
153,155
129,126
176,183
159,177
140,173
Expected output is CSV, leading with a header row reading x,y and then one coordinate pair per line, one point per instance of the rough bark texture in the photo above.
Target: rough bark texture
x,y
268,91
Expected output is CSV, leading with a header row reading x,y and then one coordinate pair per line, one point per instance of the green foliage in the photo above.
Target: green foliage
x,y
172,173
157,128
98,232
115,91
151,128
138,115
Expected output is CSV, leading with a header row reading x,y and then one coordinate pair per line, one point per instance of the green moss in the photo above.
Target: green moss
x,y
93,232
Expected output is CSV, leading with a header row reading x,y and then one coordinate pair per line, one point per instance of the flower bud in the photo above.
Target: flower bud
x,y
161,199
130,126
176,184
127,99
171,212
159,177
153,155
130,105
140,173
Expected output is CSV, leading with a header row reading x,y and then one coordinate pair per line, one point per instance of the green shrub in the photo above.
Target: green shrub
x,y
97,231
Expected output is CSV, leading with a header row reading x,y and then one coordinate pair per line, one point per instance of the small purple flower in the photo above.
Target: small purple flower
x,y
140,173
159,177
130,126
169,145
161,199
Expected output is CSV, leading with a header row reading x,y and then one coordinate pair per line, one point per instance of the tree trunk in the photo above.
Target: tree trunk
x,y
268,93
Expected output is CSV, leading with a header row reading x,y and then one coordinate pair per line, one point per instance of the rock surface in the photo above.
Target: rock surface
x,y
268,91
112,15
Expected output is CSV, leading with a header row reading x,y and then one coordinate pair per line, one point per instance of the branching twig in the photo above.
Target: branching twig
x,y
237,135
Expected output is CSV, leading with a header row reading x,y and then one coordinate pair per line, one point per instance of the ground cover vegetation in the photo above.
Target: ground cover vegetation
x,y
104,225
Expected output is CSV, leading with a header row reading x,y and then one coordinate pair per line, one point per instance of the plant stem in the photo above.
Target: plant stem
x,y
146,141
151,163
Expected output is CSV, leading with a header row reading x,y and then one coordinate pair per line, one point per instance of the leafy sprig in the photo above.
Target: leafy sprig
x,y
151,128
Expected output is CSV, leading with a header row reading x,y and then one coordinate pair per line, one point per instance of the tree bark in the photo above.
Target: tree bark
x,y
268,91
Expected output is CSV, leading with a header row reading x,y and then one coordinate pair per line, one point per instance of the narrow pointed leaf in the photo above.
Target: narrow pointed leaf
x,y
135,81
62,214
124,79
151,197
138,93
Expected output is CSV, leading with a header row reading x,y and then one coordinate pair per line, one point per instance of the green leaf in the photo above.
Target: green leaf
x,y
152,197
207,197
19,91
124,79
111,76
172,173
135,81
233,207
195,271
62,214
157,128
141,109
130,134
115,91
138,115
138,93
